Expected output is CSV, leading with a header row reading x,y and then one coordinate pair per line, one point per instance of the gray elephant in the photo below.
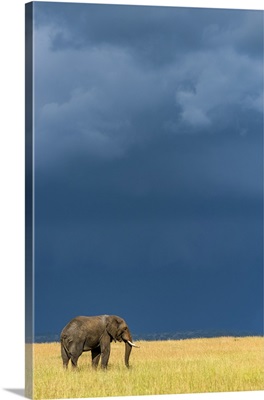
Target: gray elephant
x,y
94,334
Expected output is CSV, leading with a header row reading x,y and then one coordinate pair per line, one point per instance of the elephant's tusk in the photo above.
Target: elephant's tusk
x,y
132,344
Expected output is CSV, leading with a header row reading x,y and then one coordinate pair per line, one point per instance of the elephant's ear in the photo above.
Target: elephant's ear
x,y
112,325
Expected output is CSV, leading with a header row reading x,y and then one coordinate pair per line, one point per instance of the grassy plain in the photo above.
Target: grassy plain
x,y
164,367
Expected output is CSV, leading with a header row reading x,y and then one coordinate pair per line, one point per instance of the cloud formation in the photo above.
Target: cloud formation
x,y
158,71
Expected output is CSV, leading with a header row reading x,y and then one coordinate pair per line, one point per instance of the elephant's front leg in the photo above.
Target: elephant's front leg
x,y
105,356
105,350
96,353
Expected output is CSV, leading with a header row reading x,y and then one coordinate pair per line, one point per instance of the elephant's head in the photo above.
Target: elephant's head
x,y
118,330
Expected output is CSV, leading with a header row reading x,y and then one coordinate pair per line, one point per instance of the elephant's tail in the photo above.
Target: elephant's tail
x,y
64,346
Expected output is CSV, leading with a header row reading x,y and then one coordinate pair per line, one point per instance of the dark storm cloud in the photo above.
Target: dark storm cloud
x,y
170,205
227,300
159,33
111,95
148,152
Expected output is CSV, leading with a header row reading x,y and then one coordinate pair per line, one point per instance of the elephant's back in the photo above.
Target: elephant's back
x,y
80,324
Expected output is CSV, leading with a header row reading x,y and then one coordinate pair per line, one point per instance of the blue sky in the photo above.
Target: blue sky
x,y
148,167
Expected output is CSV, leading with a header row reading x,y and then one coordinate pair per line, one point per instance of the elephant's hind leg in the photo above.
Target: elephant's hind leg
x,y
65,357
75,353
96,353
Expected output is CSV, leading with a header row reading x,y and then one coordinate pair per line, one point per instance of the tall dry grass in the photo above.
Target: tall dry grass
x,y
162,367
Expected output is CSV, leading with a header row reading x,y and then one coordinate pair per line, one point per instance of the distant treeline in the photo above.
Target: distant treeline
x,y
49,338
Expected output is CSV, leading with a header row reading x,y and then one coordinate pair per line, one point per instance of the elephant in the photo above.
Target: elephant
x,y
94,334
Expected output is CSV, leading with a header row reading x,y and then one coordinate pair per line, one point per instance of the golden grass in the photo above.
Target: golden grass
x,y
163,367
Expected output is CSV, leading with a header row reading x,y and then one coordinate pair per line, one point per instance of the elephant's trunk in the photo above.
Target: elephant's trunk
x,y
127,353
128,347
127,338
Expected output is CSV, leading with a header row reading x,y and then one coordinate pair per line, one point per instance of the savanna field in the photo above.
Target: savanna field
x,y
162,367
